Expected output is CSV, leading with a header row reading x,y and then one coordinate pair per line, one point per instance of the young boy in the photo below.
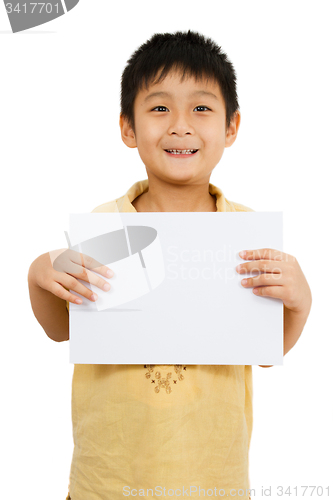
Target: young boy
x,y
173,430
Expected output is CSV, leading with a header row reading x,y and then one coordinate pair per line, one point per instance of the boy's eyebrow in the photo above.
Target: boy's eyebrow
x,y
166,94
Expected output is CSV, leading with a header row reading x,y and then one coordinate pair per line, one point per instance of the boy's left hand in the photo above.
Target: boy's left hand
x,y
281,277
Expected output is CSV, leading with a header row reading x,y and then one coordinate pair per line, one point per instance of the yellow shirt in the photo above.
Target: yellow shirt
x,y
139,427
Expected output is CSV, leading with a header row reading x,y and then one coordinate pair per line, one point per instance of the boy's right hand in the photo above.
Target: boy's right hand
x,y
57,271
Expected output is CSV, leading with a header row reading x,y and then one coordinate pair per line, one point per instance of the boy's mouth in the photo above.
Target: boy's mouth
x,y
181,151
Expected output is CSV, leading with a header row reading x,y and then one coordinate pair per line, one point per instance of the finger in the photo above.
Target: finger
x,y
67,283
64,294
65,260
265,266
262,253
86,275
89,263
276,292
263,280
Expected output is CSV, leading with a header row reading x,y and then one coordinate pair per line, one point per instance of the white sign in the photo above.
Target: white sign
x,y
175,297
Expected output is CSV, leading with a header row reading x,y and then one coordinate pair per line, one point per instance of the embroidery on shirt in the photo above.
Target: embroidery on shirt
x,y
164,382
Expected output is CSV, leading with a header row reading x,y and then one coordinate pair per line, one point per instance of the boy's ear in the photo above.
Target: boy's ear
x,y
127,133
232,131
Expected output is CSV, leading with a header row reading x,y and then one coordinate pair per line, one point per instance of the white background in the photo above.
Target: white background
x,y
61,152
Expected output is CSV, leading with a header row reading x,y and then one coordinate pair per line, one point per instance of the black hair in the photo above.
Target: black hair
x,y
190,52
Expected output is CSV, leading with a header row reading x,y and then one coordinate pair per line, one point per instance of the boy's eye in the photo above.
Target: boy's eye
x,y
159,108
202,108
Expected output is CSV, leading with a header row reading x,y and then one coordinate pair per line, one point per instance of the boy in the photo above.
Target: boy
x,y
170,430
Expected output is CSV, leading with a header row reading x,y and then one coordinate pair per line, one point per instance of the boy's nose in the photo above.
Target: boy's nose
x,y
181,125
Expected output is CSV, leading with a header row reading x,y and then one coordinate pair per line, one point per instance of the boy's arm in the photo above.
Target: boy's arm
x,y
49,310
293,323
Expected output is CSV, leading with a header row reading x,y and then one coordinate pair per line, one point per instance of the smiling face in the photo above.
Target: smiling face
x,y
180,129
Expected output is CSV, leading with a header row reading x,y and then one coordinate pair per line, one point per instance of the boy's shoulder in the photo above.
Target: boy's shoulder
x,y
238,207
109,206
116,205
124,203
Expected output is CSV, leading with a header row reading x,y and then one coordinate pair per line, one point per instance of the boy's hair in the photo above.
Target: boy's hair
x,y
189,52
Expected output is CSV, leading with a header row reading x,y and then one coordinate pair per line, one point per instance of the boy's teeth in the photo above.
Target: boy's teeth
x,y
181,151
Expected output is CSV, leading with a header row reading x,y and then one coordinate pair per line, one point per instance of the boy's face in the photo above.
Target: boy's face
x,y
180,116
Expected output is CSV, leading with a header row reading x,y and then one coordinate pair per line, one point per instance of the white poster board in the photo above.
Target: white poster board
x,y
175,297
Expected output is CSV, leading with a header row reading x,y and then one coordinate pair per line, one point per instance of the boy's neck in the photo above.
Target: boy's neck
x,y
162,197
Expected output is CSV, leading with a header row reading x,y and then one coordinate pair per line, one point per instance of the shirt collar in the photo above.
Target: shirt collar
x,y
125,202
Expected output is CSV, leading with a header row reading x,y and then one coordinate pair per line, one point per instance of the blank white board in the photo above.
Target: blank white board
x,y
176,297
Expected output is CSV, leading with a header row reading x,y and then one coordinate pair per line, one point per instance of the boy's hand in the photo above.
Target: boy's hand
x,y
57,271
282,278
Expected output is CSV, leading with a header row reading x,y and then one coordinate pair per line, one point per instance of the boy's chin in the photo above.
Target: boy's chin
x,y
180,178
